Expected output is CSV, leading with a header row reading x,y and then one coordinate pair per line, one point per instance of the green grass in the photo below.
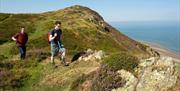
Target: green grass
x,y
121,60
79,34
30,75
178,68
36,74
13,74
8,49
3,16
13,23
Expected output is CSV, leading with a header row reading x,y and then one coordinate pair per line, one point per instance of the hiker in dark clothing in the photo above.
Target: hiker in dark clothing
x,y
56,44
21,39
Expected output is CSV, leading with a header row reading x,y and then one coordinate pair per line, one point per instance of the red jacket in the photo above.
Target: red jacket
x,y
21,39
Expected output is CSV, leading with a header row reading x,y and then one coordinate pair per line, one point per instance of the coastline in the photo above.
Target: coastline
x,y
163,51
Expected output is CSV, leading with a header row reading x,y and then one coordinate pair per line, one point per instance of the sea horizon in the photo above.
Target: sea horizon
x,y
165,34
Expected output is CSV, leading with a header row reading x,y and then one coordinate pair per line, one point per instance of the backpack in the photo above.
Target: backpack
x,y
48,35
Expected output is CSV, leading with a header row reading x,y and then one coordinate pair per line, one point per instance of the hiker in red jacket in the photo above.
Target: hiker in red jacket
x,y
21,39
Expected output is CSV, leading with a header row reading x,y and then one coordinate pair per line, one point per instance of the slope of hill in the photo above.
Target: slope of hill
x,y
82,29
78,23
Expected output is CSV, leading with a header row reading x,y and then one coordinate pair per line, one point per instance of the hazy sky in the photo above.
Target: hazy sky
x,y
111,10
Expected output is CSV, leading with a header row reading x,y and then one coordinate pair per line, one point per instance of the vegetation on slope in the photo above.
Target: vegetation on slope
x,y
82,29
122,60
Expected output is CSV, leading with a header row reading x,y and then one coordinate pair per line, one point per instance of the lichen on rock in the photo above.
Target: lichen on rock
x,y
153,74
158,76
92,55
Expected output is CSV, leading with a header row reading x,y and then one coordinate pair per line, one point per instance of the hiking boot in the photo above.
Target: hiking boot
x,y
64,62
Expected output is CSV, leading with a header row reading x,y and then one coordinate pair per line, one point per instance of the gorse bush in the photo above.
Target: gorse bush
x,y
121,60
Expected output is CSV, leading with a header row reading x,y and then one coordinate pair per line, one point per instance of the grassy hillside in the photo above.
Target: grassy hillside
x,y
82,29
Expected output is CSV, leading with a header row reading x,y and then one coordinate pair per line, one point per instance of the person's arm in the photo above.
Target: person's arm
x,y
14,37
53,37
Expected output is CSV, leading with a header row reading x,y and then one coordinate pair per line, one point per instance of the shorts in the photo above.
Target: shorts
x,y
55,50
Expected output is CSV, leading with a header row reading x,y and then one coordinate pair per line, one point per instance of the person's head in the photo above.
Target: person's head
x,y
22,29
57,24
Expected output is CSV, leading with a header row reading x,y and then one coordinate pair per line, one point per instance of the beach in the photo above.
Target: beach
x,y
166,34
164,51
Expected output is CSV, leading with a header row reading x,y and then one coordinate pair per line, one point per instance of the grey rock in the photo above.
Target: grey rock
x,y
153,74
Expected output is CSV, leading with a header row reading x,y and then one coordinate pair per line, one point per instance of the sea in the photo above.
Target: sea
x,y
164,33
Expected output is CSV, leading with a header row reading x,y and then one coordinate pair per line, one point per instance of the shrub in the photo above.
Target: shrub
x,y
11,78
2,57
142,46
122,60
106,79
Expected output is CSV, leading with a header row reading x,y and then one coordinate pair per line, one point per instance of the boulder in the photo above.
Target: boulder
x,y
130,80
157,75
92,55
152,74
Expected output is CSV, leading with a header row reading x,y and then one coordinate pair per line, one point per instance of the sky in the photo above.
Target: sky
x,y
110,10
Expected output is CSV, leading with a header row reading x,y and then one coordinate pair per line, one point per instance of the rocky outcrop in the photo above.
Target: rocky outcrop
x,y
152,52
153,74
92,55
130,80
157,76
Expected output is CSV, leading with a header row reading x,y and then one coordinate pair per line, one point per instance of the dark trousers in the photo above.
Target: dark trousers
x,y
22,51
